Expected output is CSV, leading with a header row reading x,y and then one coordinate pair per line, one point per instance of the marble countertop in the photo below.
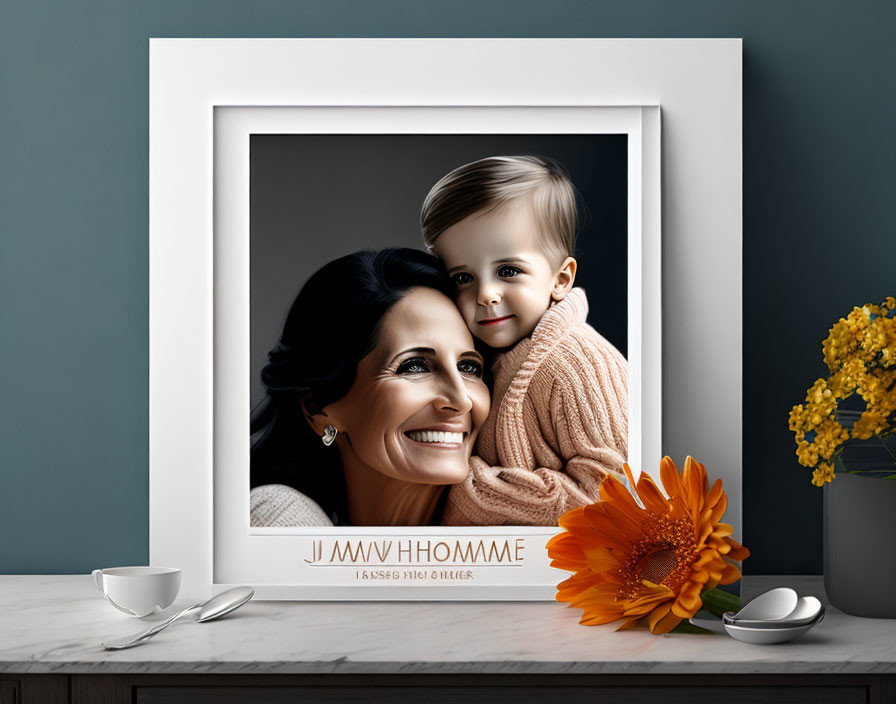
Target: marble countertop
x,y
56,623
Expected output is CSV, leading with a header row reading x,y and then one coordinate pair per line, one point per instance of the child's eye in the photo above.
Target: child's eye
x,y
415,365
462,278
469,366
508,272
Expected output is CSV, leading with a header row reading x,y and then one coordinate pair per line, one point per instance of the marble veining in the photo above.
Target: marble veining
x,y
56,624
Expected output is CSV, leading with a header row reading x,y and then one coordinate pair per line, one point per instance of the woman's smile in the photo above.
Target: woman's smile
x,y
438,438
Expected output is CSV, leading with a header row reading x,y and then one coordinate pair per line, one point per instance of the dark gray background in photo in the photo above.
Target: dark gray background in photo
x,y
317,197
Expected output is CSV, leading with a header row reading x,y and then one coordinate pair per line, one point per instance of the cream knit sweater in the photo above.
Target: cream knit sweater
x,y
558,425
280,505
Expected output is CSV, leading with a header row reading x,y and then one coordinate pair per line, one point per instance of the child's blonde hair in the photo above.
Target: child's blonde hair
x,y
497,181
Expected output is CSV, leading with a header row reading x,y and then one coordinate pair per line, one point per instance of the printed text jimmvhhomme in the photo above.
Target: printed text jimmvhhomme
x,y
394,552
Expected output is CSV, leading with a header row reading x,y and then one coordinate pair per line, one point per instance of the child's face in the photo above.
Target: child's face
x,y
504,280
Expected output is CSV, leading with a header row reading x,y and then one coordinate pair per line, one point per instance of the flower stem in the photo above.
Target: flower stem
x,y
718,601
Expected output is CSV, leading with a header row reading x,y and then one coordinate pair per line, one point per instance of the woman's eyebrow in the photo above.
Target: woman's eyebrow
x,y
417,350
473,353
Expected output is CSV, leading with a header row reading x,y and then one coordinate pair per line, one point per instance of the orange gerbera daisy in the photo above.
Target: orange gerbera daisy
x,y
652,560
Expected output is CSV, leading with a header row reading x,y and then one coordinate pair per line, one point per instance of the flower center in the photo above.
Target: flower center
x,y
662,556
658,566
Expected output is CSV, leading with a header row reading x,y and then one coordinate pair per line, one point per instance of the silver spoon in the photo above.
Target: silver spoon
x,y
217,606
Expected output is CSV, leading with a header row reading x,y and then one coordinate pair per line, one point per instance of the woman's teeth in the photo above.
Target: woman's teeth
x,y
435,436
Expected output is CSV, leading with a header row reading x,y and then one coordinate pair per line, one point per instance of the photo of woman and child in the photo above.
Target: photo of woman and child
x,y
457,386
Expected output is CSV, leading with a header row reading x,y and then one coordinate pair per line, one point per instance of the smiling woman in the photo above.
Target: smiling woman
x,y
367,419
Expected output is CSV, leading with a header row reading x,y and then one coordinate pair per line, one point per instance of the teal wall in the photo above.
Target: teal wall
x,y
819,178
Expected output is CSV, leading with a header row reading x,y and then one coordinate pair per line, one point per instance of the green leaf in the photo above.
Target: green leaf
x,y
718,601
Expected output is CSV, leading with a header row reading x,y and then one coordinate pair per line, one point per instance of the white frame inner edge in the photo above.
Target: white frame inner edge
x,y
268,556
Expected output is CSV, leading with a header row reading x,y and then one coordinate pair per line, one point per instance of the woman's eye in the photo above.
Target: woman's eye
x,y
462,278
508,272
469,366
416,365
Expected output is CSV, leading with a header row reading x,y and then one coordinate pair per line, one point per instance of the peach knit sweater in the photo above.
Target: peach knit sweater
x,y
558,425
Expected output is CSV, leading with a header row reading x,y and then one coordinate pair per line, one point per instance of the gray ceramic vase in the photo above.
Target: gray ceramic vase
x,y
859,538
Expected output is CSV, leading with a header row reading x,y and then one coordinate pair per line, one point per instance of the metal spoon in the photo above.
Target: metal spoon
x,y
217,606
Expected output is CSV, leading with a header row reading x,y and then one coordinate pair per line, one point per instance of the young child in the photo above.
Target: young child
x,y
505,229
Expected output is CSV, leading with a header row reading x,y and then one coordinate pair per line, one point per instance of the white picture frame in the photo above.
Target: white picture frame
x,y
200,89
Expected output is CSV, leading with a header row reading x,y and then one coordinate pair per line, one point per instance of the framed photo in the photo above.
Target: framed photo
x,y
257,186
325,182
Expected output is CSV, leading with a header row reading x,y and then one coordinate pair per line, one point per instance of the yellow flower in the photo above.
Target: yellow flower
x,y
823,473
860,353
650,561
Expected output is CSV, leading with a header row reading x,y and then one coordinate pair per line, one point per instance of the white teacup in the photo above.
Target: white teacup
x,y
138,591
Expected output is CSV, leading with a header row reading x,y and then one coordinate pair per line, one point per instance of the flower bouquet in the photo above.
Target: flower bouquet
x,y
860,353
859,508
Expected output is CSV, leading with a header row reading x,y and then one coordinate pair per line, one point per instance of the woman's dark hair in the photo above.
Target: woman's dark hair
x,y
332,324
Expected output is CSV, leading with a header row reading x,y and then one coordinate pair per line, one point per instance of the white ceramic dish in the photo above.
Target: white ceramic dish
x,y
767,636
808,610
777,616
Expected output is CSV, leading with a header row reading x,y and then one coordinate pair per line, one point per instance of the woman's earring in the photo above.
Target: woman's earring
x,y
329,436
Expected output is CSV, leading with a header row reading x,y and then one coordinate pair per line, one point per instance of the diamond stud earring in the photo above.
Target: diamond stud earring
x,y
329,436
